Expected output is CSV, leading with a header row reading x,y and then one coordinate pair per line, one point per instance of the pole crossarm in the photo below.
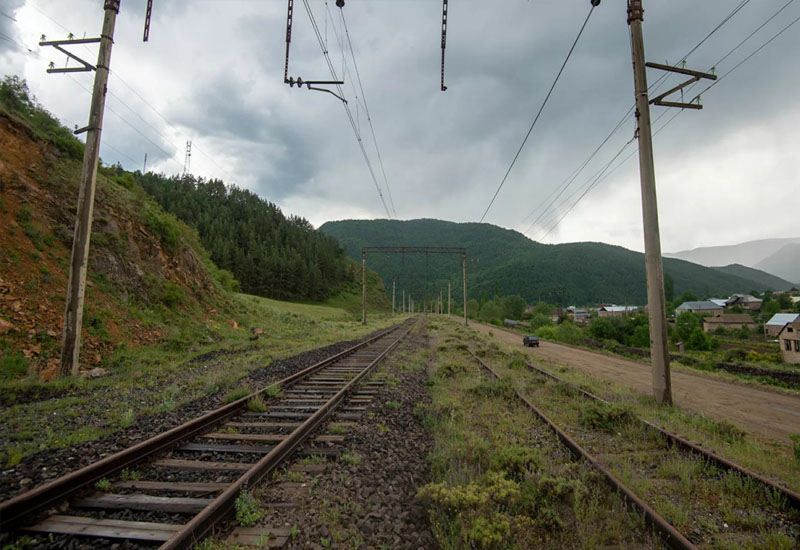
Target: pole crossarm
x,y
696,76
57,44
413,250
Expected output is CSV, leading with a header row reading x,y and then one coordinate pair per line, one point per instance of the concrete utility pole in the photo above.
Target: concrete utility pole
x,y
363,288
393,282
659,354
464,277
404,300
79,259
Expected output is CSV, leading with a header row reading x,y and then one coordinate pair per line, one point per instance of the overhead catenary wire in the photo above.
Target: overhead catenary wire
x,y
652,87
366,111
113,74
678,113
347,109
539,113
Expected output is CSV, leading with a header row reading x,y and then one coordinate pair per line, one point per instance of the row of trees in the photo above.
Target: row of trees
x,y
269,253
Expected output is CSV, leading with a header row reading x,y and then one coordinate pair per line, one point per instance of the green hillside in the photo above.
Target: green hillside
x,y
761,277
507,261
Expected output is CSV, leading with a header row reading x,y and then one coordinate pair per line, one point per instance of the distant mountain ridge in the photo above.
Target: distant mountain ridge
x,y
767,279
779,257
508,262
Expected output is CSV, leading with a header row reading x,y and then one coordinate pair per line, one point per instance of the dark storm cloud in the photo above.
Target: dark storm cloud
x,y
216,70
266,141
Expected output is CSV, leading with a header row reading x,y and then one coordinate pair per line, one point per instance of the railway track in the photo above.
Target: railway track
x,y
176,487
666,468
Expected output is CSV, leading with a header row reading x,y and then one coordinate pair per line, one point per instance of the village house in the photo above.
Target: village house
x,y
789,337
744,300
729,321
579,316
699,308
616,311
778,321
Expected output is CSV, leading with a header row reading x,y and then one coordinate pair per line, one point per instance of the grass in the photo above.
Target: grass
x,y
351,459
248,510
160,378
681,487
500,478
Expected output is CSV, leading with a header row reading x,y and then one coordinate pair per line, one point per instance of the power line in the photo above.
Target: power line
x,y
366,110
653,87
746,59
536,119
349,113
742,62
119,77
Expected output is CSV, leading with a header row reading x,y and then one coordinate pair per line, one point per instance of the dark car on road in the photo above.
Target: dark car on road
x,y
530,341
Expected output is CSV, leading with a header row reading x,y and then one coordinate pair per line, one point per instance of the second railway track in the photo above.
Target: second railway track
x,y
671,481
174,488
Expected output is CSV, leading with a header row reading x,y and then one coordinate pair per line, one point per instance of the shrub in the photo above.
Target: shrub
x,y
698,340
165,226
606,417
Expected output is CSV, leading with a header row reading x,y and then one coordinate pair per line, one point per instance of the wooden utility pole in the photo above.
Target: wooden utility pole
x,y
659,354
393,282
76,288
448,298
464,277
363,288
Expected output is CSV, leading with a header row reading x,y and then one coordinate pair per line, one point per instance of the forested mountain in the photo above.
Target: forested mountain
x,y
757,275
269,253
505,261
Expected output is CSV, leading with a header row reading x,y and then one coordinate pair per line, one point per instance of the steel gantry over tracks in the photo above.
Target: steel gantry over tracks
x,y
409,250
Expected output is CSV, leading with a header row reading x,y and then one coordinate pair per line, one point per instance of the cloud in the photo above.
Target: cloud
x,y
213,72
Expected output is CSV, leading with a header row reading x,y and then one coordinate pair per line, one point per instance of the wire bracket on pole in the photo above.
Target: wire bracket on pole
x,y
57,44
310,84
695,76
147,15
444,38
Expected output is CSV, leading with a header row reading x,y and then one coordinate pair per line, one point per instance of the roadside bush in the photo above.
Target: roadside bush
x,y
569,334
698,340
538,321
546,333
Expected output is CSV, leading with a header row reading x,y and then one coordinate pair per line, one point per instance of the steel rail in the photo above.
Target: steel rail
x,y
792,497
20,507
221,506
672,537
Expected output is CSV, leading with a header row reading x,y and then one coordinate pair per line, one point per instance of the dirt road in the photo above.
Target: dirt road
x,y
766,413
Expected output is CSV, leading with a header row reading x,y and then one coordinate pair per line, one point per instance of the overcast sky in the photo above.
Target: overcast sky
x,y
212,72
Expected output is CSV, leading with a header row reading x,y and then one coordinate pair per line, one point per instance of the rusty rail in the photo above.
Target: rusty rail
x,y
671,536
14,510
792,497
221,506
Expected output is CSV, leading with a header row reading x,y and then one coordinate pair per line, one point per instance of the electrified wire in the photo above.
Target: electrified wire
x,y
653,87
541,109
366,110
349,113
735,67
